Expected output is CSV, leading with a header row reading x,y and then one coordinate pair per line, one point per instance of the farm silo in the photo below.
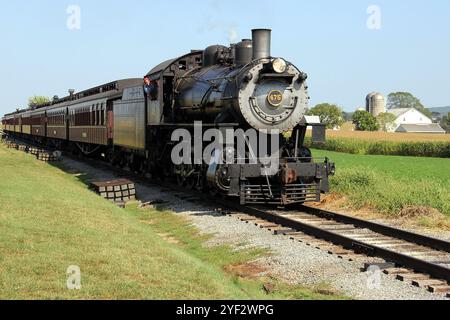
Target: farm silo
x,y
378,104
369,101
375,103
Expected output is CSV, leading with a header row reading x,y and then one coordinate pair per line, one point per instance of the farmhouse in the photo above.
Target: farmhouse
x,y
410,120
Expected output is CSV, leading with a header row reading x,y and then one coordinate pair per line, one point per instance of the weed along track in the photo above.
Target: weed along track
x,y
415,259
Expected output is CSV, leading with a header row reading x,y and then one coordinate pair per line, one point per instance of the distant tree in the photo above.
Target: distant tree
x,y
37,101
348,116
386,121
436,115
329,114
445,123
365,121
406,100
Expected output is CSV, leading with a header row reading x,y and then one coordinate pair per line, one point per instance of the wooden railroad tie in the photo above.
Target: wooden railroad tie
x,y
420,280
282,231
118,191
12,146
427,283
412,276
397,271
35,151
443,288
23,148
48,157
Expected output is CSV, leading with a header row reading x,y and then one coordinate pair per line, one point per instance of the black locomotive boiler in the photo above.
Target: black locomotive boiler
x,y
222,87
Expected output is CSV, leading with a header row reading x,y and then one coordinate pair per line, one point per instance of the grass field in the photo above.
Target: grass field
x,y
49,221
391,184
384,143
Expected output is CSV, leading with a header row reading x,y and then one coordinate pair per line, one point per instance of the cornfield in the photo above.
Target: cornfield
x,y
388,136
382,143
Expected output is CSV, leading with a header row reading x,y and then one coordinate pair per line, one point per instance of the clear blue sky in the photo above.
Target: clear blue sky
x,y
329,40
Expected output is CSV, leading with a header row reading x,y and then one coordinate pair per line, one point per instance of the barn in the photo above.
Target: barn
x,y
411,120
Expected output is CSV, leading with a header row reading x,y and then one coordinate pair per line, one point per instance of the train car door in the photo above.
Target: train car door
x,y
110,121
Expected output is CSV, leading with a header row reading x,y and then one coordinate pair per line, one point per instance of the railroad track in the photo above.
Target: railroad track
x,y
417,259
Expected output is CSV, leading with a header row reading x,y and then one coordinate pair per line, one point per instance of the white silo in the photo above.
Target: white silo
x,y
375,103
378,104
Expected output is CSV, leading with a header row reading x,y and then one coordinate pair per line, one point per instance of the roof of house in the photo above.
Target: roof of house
x,y
400,111
421,128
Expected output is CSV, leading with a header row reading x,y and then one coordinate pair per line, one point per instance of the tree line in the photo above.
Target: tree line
x,y
334,117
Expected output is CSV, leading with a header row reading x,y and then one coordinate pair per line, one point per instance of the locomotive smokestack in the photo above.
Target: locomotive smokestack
x,y
261,43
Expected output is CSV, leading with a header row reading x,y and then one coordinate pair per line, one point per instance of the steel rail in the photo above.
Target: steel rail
x,y
419,239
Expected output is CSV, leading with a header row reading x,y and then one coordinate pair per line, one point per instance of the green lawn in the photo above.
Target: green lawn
x,y
391,183
49,220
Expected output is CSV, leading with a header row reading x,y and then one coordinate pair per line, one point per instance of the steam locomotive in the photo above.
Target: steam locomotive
x,y
240,88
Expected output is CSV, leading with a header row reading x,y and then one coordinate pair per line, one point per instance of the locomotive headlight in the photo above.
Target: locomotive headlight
x,y
279,65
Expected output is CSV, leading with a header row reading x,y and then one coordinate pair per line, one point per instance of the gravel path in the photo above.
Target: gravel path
x,y
291,261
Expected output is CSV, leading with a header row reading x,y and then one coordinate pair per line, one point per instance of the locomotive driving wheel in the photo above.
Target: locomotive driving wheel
x,y
223,179
304,154
222,182
187,176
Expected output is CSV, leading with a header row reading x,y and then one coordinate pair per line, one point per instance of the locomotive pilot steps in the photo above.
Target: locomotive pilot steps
x,y
239,88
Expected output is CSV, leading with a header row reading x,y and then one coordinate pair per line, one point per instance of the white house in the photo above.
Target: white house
x,y
413,121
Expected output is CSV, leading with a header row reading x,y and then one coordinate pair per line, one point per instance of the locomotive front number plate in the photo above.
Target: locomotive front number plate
x,y
275,98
